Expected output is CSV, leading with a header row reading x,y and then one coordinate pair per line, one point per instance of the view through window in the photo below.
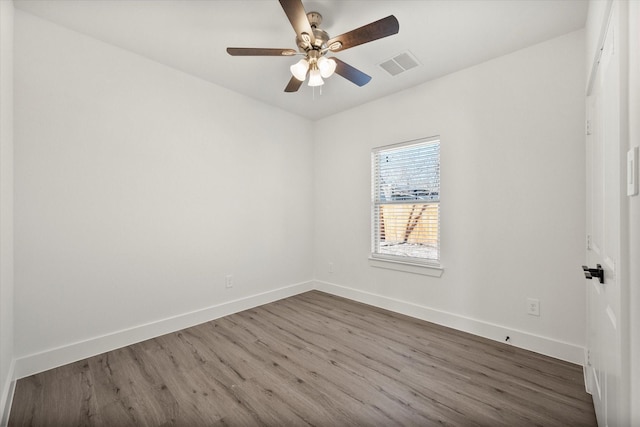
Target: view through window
x,y
406,201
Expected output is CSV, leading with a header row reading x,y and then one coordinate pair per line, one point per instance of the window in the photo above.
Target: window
x,y
406,202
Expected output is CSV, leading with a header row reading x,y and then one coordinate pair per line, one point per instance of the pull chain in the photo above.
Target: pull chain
x,y
314,93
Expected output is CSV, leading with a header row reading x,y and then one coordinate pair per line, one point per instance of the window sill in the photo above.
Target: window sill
x,y
433,270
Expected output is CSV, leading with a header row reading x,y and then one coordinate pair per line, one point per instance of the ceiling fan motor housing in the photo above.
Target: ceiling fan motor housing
x,y
321,36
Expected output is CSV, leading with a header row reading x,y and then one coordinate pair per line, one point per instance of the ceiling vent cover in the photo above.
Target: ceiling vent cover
x,y
400,63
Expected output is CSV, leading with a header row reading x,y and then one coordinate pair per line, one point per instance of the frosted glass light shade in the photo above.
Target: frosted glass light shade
x,y
299,69
327,66
314,78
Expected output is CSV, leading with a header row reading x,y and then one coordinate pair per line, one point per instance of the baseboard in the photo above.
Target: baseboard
x,y
52,358
539,344
7,395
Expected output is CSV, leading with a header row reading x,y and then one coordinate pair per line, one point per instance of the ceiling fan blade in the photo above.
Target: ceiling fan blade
x,y
294,85
257,51
376,30
298,18
350,73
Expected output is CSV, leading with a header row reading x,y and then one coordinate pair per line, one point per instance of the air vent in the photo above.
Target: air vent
x,y
400,63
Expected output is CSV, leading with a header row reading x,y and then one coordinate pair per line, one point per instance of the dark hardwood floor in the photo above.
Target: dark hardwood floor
x,y
312,359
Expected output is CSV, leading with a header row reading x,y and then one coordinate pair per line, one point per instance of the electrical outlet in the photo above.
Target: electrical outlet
x,y
228,281
533,307
330,267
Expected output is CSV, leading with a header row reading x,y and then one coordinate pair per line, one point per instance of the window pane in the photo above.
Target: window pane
x,y
409,173
408,230
406,196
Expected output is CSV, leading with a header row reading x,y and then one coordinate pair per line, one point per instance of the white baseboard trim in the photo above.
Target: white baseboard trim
x,y
6,399
52,358
55,357
539,344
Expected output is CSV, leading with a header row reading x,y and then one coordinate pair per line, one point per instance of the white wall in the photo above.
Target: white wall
x,y
513,218
6,200
138,188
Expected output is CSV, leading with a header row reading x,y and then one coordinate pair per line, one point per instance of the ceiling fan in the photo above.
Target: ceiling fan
x,y
315,43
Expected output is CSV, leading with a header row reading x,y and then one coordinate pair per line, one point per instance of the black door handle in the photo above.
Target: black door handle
x,y
590,273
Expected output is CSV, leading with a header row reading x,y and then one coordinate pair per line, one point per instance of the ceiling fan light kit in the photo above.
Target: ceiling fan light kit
x,y
317,68
314,43
299,69
314,78
327,66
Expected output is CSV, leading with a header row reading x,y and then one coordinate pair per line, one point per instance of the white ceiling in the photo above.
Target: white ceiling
x,y
192,35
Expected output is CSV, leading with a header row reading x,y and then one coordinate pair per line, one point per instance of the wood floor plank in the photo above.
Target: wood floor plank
x,y
310,360
39,409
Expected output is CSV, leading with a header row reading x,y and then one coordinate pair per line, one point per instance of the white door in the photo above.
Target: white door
x,y
604,359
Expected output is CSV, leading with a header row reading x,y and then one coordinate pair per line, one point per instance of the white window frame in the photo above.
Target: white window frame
x,y
418,265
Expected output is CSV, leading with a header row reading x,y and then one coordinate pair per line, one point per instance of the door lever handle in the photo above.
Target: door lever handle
x,y
590,273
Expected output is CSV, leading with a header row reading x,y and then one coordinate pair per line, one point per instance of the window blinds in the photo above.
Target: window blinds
x,y
405,201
